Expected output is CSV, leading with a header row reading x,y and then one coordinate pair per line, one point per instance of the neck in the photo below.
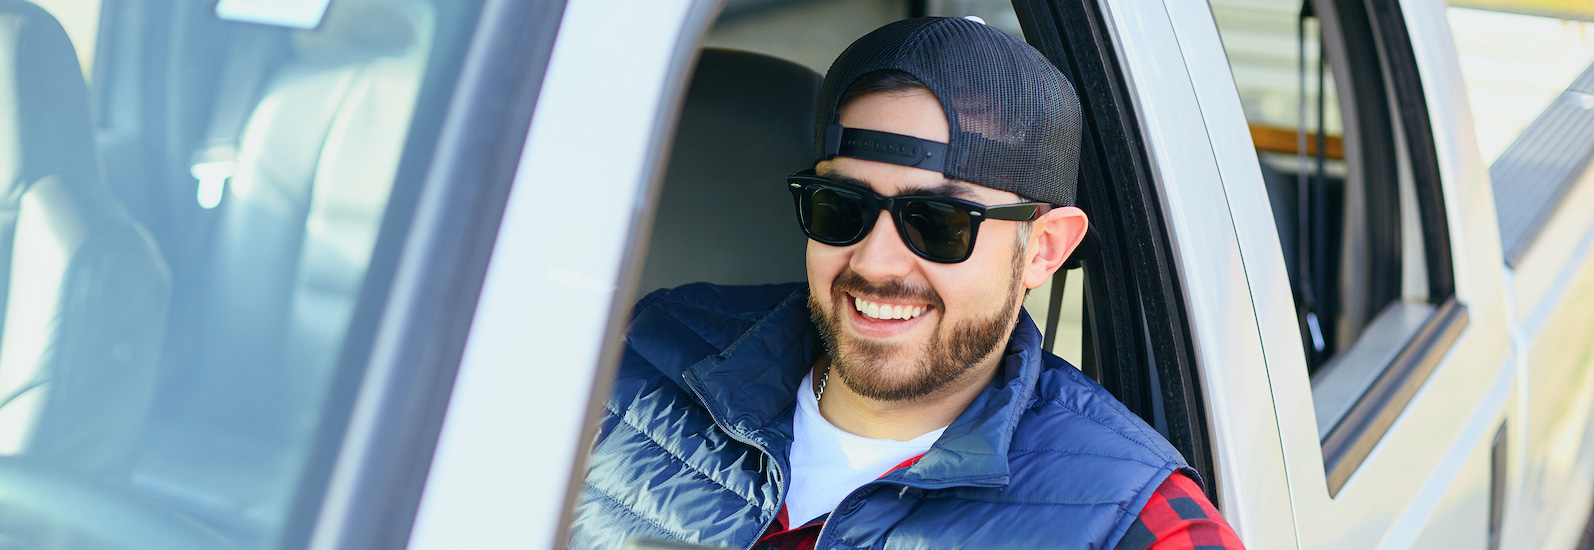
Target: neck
x,y
899,420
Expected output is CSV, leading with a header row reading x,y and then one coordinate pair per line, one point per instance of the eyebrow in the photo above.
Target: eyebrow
x,y
943,188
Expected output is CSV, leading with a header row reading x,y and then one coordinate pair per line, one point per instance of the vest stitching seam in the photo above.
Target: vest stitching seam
x,y
1141,427
1124,506
1060,403
638,515
1082,453
682,460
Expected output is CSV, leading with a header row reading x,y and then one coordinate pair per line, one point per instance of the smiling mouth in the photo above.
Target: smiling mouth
x,y
887,312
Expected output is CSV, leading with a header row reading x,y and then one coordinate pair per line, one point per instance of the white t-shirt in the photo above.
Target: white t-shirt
x,y
827,463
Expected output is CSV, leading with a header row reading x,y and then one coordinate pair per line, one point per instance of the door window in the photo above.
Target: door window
x,y
1342,141
180,375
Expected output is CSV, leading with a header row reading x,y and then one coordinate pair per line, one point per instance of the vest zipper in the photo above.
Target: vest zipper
x,y
780,477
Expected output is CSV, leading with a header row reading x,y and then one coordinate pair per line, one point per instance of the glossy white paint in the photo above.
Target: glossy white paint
x,y
1480,278
1408,491
1188,129
509,442
1553,292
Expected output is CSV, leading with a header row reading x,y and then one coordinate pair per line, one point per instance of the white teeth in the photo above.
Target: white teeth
x,y
887,311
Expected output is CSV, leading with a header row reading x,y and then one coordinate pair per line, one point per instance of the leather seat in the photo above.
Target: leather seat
x,y
292,238
85,288
724,214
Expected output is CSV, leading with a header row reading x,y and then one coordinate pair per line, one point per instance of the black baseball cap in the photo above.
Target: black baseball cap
x,y
1014,118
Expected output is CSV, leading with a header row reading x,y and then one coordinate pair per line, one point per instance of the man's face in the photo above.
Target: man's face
x,y
965,311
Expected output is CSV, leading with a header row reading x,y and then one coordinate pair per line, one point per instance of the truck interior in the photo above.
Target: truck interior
x,y
200,223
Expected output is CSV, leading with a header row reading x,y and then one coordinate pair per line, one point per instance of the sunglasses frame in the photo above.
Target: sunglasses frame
x,y
801,182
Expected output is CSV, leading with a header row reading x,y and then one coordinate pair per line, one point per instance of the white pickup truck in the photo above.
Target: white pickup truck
x,y
352,274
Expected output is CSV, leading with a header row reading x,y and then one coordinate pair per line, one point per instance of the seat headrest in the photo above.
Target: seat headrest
x,y
46,126
725,215
369,28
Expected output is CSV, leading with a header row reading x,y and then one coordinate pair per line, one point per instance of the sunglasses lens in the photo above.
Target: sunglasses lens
x,y
939,231
833,215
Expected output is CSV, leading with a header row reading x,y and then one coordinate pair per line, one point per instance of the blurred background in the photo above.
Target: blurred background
x,y
1517,56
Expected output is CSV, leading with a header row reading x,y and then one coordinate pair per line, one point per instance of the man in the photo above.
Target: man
x,y
900,399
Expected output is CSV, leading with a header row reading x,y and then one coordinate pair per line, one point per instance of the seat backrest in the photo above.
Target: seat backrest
x,y
724,214
293,236
295,229
85,288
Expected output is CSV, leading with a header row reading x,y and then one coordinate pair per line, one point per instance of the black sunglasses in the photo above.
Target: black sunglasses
x,y
939,229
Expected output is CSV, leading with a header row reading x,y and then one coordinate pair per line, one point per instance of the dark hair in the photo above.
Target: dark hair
x,y
882,81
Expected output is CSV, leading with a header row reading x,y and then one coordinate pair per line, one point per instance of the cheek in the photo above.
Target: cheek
x,y
982,284
824,264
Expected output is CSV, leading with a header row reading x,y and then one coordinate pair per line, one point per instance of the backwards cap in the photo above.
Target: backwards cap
x,y
1014,118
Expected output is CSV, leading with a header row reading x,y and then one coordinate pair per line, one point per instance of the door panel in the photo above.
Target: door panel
x,y
1408,472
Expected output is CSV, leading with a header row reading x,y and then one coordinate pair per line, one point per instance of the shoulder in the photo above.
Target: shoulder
x,y
1069,410
673,328
712,303
1075,442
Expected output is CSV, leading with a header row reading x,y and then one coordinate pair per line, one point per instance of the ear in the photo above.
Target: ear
x,y
1052,238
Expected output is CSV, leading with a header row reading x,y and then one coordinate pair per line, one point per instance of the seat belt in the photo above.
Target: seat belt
x,y
253,51
1310,325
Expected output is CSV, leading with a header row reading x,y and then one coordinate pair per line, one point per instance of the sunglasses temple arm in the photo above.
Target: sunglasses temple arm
x,y
1017,212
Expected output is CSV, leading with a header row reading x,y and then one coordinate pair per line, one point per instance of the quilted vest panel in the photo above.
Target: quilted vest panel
x,y
696,434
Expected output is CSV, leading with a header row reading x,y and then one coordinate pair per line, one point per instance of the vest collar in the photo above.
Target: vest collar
x,y
751,388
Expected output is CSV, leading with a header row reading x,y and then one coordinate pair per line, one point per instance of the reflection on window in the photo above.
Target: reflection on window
x,y
168,374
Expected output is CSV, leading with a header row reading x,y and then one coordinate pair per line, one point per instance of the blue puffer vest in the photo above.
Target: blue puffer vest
x,y
695,440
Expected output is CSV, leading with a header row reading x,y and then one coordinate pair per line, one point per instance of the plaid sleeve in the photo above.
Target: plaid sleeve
x,y
1179,517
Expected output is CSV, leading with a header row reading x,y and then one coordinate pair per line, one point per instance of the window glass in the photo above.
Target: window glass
x,y
1337,169
186,388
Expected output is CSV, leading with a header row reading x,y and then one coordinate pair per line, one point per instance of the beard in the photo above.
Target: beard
x,y
904,372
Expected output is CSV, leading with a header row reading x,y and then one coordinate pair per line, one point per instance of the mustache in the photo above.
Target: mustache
x,y
851,282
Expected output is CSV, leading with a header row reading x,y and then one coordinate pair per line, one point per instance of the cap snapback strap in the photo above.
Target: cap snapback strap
x,y
884,147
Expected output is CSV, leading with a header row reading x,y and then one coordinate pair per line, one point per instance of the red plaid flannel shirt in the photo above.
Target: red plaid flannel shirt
x,y
1178,517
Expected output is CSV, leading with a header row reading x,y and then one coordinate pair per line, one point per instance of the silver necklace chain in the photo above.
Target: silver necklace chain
x,y
823,379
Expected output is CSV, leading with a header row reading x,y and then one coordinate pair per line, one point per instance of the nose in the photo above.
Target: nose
x,y
881,255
